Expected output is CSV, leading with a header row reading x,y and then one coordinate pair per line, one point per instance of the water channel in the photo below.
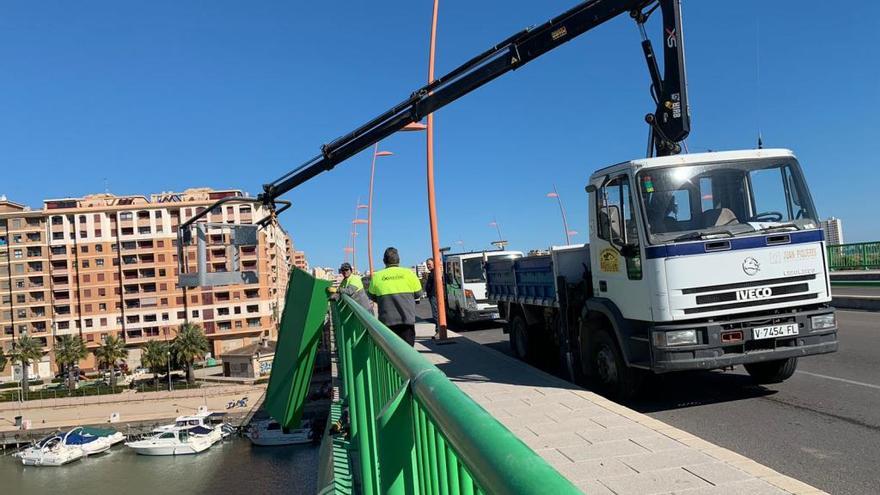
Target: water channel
x,y
230,467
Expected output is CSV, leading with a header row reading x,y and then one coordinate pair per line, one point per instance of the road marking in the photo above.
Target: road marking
x,y
844,380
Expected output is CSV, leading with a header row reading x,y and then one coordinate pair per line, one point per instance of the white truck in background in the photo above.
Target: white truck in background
x,y
695,261
466,300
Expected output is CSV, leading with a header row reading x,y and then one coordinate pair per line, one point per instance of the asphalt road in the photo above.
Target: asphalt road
x,y
822,426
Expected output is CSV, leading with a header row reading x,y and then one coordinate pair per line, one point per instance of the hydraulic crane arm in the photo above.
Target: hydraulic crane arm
x,y
669,123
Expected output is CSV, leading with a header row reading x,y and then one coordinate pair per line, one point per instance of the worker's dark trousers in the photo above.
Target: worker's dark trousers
x,y
406,332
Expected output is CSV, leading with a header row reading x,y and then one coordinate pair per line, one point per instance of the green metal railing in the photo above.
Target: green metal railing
x,y
413,431
858,256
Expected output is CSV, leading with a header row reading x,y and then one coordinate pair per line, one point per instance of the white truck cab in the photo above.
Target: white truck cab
x,y
466,300
695,261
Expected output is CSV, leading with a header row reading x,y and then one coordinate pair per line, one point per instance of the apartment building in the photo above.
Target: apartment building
x,y
833,228
107,265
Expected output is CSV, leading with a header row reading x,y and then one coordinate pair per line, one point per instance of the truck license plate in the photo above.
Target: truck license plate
x,y
775,331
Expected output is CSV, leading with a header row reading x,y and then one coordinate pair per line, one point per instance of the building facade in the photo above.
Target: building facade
x,y
107,265
833,228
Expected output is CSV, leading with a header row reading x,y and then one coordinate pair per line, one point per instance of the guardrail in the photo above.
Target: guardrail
x,y
857,256
414,431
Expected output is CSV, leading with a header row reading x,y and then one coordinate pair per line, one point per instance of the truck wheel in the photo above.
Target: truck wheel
x,y
519,337
772,371
609,371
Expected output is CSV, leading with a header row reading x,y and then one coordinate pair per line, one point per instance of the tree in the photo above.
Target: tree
x,y
111,351
2,359
190,344
25,351
155,357
69,351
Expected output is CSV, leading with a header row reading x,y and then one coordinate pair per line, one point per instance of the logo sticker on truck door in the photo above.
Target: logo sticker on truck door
x,y
609,261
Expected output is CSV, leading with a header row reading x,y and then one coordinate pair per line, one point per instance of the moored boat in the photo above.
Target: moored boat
x,y
269,433
92,440
179,441
50,451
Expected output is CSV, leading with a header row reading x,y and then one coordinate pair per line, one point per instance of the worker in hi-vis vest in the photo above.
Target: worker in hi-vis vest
x,y
396,291
353,286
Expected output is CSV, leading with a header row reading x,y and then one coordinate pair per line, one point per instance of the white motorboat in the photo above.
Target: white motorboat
x,y
270,432
179,441
204,419
50,451
92,440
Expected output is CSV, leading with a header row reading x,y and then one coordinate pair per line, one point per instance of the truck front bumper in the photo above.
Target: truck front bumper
x,y
713,353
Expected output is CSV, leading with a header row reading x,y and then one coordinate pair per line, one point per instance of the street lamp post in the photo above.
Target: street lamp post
x,y
376,154
168,361
439,289
555,194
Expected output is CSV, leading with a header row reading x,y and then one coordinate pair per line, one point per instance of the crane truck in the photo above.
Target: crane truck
x,y
695,261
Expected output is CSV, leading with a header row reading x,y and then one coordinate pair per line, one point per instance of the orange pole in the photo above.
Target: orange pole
x,y
370,211
432,206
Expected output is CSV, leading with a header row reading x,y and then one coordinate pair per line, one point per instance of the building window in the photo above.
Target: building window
x,y
103,322
181,315
87,278
99,261
195,313
125,216
100,247
57,236
84,249
88,308
100,277
85,263
87,292
89,323
102,292
98,232
17,253
161,271
164,316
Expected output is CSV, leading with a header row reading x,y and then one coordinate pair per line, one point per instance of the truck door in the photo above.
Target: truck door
x,y
617,255
453,283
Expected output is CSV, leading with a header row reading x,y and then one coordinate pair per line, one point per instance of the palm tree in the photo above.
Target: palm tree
x,y
111,351
69,351
2,359
189,344
26,350
155,357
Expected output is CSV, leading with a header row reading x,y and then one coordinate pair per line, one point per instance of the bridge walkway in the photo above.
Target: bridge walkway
x,y
601,446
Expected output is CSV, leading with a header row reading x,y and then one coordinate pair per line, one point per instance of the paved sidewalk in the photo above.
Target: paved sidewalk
x,y
601,446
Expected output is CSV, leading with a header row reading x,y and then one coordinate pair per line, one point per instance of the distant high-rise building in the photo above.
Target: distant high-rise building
x,y
107,265
833,228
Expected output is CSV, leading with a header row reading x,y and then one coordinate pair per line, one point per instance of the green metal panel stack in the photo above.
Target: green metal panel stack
x,y
301,324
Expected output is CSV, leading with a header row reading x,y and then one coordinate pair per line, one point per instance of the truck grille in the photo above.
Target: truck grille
x,y
732,296
751,283
746,304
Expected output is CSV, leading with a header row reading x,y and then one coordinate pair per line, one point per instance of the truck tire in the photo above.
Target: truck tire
x,y
519,337
772,371
608,370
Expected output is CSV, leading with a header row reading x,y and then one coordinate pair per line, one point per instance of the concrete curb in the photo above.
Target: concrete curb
x,y
726,456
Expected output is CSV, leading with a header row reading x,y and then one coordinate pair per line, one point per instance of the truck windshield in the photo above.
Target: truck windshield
x,y
727,199
472,269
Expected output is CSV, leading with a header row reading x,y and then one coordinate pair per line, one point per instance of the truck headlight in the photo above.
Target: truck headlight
x,y
822,322
675,337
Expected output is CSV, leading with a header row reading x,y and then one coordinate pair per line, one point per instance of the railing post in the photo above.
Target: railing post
x,y
363,412
397,458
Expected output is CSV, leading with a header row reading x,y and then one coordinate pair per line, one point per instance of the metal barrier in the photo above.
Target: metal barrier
x,y
413,431
858,256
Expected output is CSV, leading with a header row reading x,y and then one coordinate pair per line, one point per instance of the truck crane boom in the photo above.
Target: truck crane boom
x,y
669,124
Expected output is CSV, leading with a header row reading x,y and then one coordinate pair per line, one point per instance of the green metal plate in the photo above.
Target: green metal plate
x,y
301,325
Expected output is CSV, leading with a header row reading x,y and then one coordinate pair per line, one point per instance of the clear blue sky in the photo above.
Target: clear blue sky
x,y
165,95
